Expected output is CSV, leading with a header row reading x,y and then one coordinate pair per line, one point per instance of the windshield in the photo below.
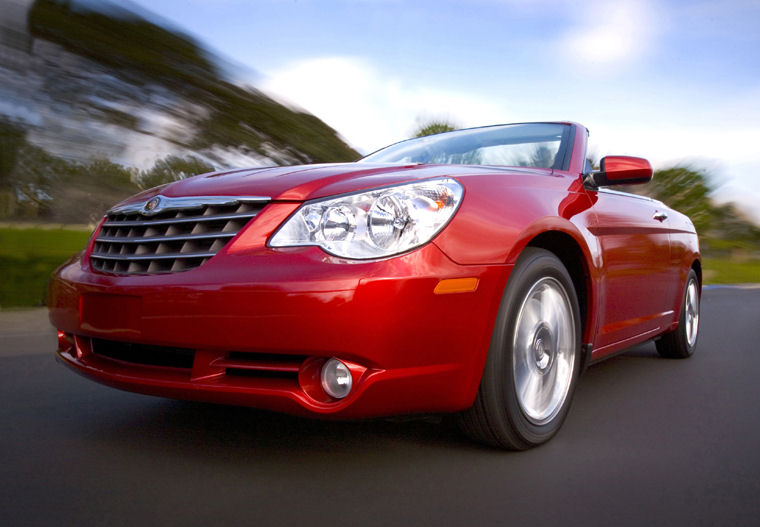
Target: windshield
x,y
540,145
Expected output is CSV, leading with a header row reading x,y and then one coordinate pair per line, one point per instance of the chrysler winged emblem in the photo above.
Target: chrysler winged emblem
x,y
152,206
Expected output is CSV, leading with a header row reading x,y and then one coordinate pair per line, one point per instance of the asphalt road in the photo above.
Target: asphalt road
x,y
648,441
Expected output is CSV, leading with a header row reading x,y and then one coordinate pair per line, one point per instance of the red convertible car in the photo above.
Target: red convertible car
x,y
474,272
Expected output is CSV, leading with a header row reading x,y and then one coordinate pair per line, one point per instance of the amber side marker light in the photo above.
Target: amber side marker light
x,y
456,285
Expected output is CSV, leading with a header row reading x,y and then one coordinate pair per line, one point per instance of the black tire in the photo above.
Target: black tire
x,y
682,341
499,416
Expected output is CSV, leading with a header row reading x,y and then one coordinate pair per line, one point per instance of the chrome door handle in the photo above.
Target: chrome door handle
x,y
660,216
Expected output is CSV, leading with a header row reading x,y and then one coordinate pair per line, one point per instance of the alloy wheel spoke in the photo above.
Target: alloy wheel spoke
x,y
543,350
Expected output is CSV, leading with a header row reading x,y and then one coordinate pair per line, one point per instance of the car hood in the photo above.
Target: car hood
x,y
300,183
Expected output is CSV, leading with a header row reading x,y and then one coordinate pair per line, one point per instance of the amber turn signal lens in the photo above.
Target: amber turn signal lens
x,y
456,285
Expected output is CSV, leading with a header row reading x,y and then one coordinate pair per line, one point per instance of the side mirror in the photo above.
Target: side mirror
x,y
621,170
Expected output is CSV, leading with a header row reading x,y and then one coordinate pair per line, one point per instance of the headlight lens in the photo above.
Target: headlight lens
x,y
373,224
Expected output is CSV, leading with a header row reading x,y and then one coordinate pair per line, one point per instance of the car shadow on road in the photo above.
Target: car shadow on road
x,y
646,350
218,429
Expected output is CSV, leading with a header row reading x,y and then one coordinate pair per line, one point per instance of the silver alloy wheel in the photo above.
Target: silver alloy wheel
x,y
691,311
544,350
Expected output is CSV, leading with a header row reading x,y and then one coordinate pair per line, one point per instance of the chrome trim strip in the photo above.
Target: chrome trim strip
x,y
607,190
186,202
152,239
133,257
188,219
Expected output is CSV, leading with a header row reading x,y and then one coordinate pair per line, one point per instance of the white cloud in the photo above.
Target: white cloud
x,y
608,33
371,109
666,143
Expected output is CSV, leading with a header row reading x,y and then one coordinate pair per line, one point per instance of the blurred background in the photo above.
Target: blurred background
x,y
101,99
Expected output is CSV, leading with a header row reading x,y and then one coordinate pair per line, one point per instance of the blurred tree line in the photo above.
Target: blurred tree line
x,y
36,186
116,37
722,228
143,53
136,55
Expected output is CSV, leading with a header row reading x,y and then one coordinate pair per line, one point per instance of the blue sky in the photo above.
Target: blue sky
x,y
670,81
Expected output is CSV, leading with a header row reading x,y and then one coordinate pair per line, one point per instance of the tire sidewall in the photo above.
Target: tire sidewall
x,y
533,265
682,329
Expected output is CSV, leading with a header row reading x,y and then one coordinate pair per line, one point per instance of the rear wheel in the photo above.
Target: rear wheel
x,y
534,358
681,342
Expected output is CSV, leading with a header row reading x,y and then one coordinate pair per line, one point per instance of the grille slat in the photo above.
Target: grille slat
x,y
148,239
168,256
171,221
168,235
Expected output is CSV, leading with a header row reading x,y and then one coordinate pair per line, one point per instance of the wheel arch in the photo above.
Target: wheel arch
x,y
570,252
697,266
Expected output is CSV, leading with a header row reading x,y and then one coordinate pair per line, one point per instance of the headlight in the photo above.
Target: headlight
x,y
373,224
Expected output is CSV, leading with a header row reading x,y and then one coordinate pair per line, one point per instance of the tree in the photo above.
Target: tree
x,y
45,187
11,139
722,228
687,190
172,168
435,126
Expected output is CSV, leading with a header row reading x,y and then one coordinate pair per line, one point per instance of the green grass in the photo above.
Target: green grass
x,y
28,256
727,271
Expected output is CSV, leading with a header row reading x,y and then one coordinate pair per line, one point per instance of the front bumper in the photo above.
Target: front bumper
x,y
258,321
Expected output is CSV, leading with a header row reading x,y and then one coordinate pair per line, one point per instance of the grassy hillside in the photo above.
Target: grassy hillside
x,y
127,74
27,257
131,47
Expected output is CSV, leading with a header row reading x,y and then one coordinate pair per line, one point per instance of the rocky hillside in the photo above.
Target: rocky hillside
x,y
81,81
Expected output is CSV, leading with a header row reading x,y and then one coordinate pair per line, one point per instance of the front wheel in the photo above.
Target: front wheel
x,y
534,358
681,342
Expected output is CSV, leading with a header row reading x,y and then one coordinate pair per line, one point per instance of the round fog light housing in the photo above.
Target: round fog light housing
x,y
336,379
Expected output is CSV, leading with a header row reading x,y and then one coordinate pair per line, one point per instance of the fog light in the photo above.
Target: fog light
x,y
336,379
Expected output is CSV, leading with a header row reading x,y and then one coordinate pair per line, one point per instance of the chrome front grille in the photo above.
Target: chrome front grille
x,y
168,235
